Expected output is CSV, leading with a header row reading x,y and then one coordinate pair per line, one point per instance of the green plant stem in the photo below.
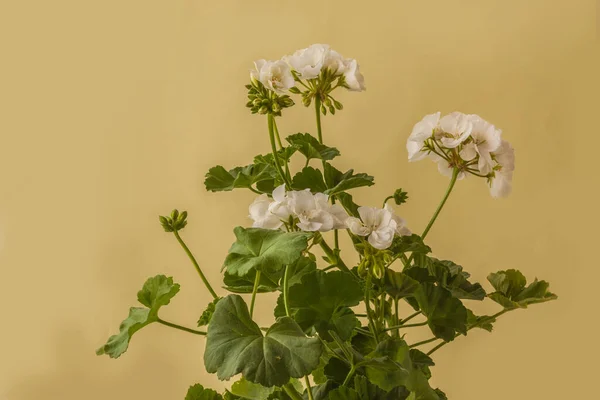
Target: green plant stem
x,y
286,277
397,317
455,173
330,253
372,327
191,257
287,167
308,388
181,328
318,116
493,317
423,342
405,326
411,316
382,309
254,291
386,200
292,392
271,126
349,376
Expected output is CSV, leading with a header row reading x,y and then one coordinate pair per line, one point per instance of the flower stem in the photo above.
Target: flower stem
x,y
405,326
191,257
372,327
286,277
396,316
181,328
271,125
433,339
318,115
411,316
254,291
287,167
349,376
441,205
308,388
332,256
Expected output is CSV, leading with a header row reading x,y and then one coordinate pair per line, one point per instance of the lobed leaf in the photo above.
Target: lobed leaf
x,y
311,148
512,290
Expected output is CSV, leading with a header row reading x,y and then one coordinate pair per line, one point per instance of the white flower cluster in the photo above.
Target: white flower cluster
x,y
307,64
467,143
313,213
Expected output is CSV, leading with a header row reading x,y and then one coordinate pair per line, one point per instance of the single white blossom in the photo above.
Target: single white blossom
x,y
352,76
486,139
455,128
309,210
501,184
334,62
309,62
335,210
401,228
280,204
260,214
422,131
275,75
377,223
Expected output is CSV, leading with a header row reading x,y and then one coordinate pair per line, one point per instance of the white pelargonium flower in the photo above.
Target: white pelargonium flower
x,y
455,128
422,131
310,211
260,214
352,76
309,62
401,228
280,204
486,139
501,184
275,75
376,223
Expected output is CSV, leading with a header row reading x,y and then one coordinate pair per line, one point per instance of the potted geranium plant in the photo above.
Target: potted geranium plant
x,y
337,331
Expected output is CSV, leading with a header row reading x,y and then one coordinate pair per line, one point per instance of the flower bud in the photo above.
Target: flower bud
x,y
295,90
256,102
323,110
331,110
338,105
400,196
174,215
166,223
249,104
275,107
306,101
263,110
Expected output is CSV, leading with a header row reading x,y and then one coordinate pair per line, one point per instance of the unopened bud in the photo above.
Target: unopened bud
x,y
263,110
338,105
295,90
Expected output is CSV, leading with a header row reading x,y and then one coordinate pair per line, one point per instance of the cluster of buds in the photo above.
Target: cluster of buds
x,y
321,88
175,222
373,261
264,101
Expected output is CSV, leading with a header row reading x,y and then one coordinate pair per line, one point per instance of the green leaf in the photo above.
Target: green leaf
x,y
269,281
303,266
343,393
399,285
412,243
310,147
251,391
512,290
445,314
390,366
322,300
208,313
309,178
483,322
367,391
264,250
156,292
338,182
218,179
197,392
349,205
235,344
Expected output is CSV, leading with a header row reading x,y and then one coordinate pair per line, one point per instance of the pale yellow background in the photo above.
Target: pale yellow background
x,y
112,111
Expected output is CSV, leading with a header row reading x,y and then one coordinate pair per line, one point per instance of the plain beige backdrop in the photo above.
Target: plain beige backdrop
x,y
112,111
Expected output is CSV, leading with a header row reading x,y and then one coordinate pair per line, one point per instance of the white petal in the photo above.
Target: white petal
x,y
279,193
382,238
501,184
357,227
414,150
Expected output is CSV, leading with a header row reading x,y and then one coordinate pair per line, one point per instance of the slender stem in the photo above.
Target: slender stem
x,y
287,167
382,309
436,348
349,376
271,124
254,291
286,277
181,328
386,200
308,388
292,392
368,306
191,256
405,326
254,190
411,316
441,205
423,342
397,317
318,115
